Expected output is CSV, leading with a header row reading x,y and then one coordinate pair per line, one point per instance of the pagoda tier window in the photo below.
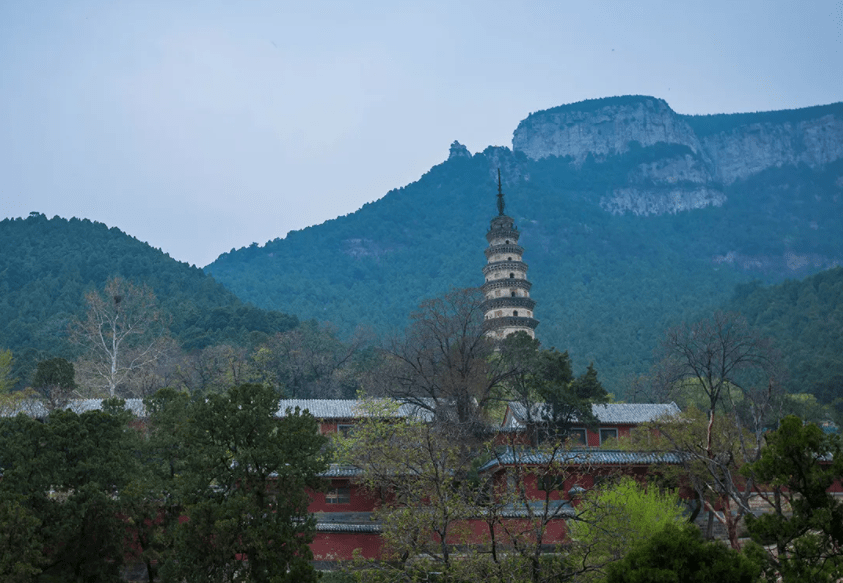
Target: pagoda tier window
x,y
511,275
515,313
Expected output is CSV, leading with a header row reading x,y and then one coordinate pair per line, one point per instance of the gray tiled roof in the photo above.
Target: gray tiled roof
x,y
348,408
557,508
346,522
616,413
36,408
347,527
582,456
341,471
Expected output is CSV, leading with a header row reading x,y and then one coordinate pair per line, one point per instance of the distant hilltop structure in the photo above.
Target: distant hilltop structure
x,y
508,307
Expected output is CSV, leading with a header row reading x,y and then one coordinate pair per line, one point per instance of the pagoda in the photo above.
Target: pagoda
x,y
508,307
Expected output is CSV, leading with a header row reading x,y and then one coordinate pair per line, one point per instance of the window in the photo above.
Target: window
x,y
345,429
550,482
341,495
578,437
608,434
513,293
507,241
509,258
511,275
515,313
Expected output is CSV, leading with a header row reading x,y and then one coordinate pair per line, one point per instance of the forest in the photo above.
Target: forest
x,y
48,265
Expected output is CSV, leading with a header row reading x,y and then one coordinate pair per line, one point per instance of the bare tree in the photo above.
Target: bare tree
x,y
443,363
123,332
723,357
310,361
736,371
215,369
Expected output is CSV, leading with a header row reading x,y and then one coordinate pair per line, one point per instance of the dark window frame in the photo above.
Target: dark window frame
x,y
338,495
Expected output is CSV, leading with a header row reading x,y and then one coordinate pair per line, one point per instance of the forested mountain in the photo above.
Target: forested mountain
x,y
806,319
47,266
632,218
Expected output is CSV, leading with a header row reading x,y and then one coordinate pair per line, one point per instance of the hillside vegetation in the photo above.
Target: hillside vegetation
x,y
606,285
805,318
47,266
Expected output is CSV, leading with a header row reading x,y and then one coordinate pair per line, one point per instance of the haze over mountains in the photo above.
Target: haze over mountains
x,y
632,217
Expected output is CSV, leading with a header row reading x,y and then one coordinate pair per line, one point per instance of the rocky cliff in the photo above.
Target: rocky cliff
x,y
711,151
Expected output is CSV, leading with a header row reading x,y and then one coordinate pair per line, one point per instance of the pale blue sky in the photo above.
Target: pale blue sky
x,y
202,126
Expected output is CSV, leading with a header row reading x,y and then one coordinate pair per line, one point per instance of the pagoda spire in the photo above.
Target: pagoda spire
x,y
500,195
507,307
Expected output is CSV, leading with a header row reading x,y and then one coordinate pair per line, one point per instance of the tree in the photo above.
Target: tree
x,y
244,490
443,363
431,490
736,370
680,555
215,369
151,501
420,471
10,401
717,481
804,531
719,356
54,380
123,332
612,519
21,555
310,361
6,364
543,384
66,472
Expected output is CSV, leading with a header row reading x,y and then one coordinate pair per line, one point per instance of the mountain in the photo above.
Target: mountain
x,y
805,317
632,217
47,266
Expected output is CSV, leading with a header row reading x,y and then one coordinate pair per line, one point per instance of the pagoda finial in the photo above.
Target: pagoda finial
x,y
500,195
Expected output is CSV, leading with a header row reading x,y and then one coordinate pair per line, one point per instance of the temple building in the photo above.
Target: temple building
x,y
508,307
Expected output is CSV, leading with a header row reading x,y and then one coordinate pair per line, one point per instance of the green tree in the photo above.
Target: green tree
x,y
54,380
6,364
21,554
151,501
66,472
542,382
680,555
804,531
244,490
612,519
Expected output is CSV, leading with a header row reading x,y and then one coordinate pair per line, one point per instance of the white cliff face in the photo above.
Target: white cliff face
x,y
751,148
685,168
601,128
606,130
643,202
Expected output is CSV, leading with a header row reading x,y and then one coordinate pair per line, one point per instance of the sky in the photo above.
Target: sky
x,y
204,126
